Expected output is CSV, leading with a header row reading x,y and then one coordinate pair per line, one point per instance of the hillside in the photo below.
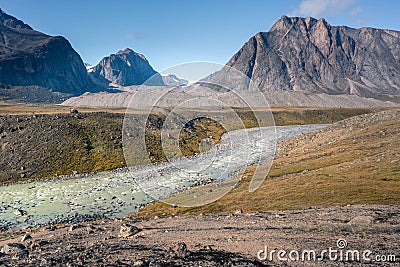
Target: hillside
x,y
45,65
354,161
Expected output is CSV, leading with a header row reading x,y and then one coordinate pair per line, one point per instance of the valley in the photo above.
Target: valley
x,y
129,142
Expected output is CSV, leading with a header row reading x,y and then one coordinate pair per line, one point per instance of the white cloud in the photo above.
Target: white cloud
x,y
320,8
135,35
355,11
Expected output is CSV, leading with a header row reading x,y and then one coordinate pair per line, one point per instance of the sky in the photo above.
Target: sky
x,y
172,32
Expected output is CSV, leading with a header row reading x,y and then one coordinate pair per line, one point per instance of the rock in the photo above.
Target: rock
x,y
50,227
80,260
16,250
73,227
128,230
20,212
90,229
179,250
238,211
73,111
362,220
207,248
26,237
139,263
155,264
21,254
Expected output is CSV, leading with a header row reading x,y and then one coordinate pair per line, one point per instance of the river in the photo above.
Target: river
x,y
120,192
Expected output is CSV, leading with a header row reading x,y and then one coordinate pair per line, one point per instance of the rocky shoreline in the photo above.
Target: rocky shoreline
x,y
207,240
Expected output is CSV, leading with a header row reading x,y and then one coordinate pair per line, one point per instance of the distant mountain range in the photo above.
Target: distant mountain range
x,y
311,56
302,55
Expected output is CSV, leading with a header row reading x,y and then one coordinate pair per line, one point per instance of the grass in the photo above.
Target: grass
x,y
356,164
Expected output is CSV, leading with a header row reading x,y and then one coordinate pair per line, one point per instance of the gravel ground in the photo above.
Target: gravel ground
x,y
210,240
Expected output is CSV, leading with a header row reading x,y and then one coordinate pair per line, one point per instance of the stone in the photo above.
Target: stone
x,y
238,211
26,237
128,230
179,250
19,212
362,220
16,250
73,227
139,263
155,264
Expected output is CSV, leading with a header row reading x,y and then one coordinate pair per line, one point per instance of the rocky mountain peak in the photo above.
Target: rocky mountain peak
x,y
125,51
12,22
285,24
312,56
127,68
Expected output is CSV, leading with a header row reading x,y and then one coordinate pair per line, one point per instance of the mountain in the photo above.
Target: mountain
x,y
173,80
311,56
126,68
31,59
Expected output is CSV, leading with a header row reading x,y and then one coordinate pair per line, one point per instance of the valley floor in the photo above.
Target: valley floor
x,y
325,186
215,239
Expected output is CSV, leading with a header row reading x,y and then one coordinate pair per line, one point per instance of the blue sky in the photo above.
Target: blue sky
x,y
177,31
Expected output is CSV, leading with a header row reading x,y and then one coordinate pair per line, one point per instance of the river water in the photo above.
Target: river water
x,y
118,193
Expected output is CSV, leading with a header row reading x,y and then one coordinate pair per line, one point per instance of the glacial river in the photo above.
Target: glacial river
x,y
117,193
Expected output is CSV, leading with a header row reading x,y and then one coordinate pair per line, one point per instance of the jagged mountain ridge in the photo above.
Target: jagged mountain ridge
x,y
310,55
173,80
31,58
127,68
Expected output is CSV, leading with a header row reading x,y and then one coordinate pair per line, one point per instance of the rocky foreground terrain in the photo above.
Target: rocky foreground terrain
x,y
209,240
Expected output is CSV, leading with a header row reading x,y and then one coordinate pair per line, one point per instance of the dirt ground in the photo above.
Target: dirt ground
x,y
212,240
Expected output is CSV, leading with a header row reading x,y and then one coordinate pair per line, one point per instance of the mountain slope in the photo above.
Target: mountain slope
x,y
309,55
126,68
31,58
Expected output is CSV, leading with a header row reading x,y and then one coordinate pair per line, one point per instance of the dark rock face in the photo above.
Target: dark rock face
x,y
12,22
309,55
31,58
127,68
